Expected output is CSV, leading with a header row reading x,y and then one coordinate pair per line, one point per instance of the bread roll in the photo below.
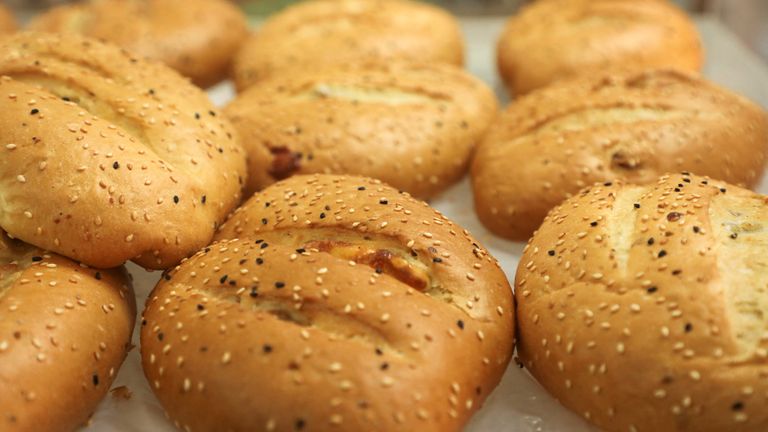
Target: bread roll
x,y
65,330
106,157
642,308
555,39
411,125
198,38
7,21
333,32
629,126
330,303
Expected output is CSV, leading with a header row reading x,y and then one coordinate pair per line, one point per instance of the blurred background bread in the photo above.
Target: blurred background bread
x,y
107,158
555,39
631,126
65,330
197,38
642,308
330,303
7,20
332,32
411,125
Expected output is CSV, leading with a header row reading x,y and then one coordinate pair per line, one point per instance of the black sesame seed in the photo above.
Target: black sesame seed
x,y
676,272
437,260
34,111
95,379
637,205
673,216
460,323
259,261
160,336
379,352
264,221
652,290
383,201
608,184
212,114
175,199
264,245
97,275
551,252
259,241
723,190
734,235
116,165
197,116
696,229
279,285
651,241
594,224
223,279
322,215
143,322
378,270
737,406
688,327
384,366
200,307
267,204
300,250
361,188
267,348
299,425
662,253
37,258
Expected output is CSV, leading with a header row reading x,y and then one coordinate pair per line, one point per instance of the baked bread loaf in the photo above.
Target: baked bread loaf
x,y
413,126
633,126
106,157
330,303
198,38
65,330
7,21
555,39
333,32
642,308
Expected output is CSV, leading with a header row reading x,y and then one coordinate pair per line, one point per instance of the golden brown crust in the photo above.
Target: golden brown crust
x,y
555,39
330,302
642,308
7,21
64,332
413,126
107,158
631,126
334,32
198,38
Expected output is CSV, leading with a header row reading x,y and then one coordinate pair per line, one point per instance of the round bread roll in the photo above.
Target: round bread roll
x,y
632,126
554,39
7,21
642,308
107,158
413,126
330,303
64,332
198,38
334,32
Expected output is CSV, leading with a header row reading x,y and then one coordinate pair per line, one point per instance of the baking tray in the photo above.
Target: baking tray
x,y
519,404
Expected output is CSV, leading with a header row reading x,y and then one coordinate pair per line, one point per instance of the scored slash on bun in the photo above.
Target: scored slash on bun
x,y
197,38
330,302
410,125
628,125
642,308
336,32
107,158
65,331
556,39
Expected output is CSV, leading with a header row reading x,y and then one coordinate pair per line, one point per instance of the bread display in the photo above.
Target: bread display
x,y
413,126
555,39
107,157
631,126
332,32
64,332
330,303
198,38
642,308
7,21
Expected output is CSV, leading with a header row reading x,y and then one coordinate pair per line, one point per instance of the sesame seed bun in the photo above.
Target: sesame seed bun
x,y
413,126
64,332
106,157
330,303
197,38
642,308
630,126
555,39
332,32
